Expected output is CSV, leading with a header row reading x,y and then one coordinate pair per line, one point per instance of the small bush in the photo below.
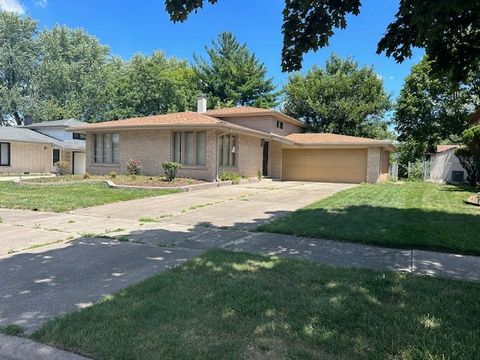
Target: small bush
x,y
62,167
234,178
259,175
415,172
171,169
134,167
112,175
86,175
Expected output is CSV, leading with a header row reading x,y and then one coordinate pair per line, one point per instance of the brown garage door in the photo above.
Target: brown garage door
x,y
335,165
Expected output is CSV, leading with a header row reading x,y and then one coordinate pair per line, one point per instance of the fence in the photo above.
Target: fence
x,y
393,172
433,170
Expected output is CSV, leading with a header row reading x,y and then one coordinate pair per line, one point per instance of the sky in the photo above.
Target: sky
x,y
129,27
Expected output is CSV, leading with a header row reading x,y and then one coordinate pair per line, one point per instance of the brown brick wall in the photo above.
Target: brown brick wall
x,y
34,158
152,147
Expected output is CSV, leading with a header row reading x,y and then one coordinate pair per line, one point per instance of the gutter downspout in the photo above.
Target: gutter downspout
x,y
216,157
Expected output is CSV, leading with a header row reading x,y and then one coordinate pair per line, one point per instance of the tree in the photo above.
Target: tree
x,y
70,78
431,108
448,30
234,76
148,85
341,98
469,154
17,60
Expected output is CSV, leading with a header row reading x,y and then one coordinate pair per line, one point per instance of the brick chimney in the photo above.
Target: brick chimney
x,y
201,104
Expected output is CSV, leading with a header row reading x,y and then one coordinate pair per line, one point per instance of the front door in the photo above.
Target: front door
x,y
265,159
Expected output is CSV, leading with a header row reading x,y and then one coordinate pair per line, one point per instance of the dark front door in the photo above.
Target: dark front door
x,y
265,159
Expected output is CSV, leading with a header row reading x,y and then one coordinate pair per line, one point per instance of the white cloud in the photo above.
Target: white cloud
x,y
12,6
41,3
392,77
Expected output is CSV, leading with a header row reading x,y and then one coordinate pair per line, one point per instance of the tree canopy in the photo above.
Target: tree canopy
x,y
341,98
233,76
17,61
448,30
431,108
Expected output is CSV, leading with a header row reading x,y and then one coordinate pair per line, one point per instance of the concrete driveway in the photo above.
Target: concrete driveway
x,y
240,206
52,263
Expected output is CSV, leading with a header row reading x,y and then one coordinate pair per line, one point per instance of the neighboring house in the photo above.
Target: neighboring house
x,y
445,167
35,148
242,140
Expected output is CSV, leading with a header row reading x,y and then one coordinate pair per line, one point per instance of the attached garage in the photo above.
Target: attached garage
x,y
326,165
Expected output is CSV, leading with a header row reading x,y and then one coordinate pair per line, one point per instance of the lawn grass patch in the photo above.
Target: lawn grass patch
x,y
408,215
68,196
236,305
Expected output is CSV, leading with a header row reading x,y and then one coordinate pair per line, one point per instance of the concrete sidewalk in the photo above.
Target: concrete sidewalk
x,y
17,348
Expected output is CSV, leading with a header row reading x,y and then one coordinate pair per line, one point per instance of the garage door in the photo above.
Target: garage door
x,y
336,165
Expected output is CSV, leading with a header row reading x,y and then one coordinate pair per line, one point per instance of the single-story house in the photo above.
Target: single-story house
x,y
35,148
445,167
242,140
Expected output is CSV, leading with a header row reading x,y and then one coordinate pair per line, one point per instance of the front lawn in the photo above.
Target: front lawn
x,y
227,305
410,215
67,196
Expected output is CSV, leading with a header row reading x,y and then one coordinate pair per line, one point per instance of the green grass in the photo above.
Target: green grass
x,y
12,330
227,305
66,197
409,215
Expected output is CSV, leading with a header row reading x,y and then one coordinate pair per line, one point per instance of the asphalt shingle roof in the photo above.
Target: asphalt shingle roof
x,y
21,134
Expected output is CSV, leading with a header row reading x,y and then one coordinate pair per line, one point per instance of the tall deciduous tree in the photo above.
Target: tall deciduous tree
x,y
234,76
432,108
341,98
448,30
17,61
70,78
149,85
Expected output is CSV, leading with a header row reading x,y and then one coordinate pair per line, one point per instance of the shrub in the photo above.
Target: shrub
x,y
86,175
62,167
171,168
259,175
415,171
234,178
469,154
112,174
134,167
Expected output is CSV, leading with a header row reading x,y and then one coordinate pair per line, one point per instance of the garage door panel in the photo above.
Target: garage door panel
x,y
333,165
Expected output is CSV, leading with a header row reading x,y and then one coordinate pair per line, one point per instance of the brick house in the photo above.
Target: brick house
x,y
242,140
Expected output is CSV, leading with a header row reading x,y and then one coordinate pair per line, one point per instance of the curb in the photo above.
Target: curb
x,y
18,348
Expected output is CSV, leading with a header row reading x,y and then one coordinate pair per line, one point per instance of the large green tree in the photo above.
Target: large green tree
x,y
430,108
17,61
149,85
70,78
448,30
232,75
341,98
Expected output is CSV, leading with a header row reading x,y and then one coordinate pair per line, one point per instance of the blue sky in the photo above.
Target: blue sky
x,y
143,26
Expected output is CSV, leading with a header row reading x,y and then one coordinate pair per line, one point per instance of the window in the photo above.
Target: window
x,y
78,136
228,151
189,148
279,124
56,156
106,148
4,154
